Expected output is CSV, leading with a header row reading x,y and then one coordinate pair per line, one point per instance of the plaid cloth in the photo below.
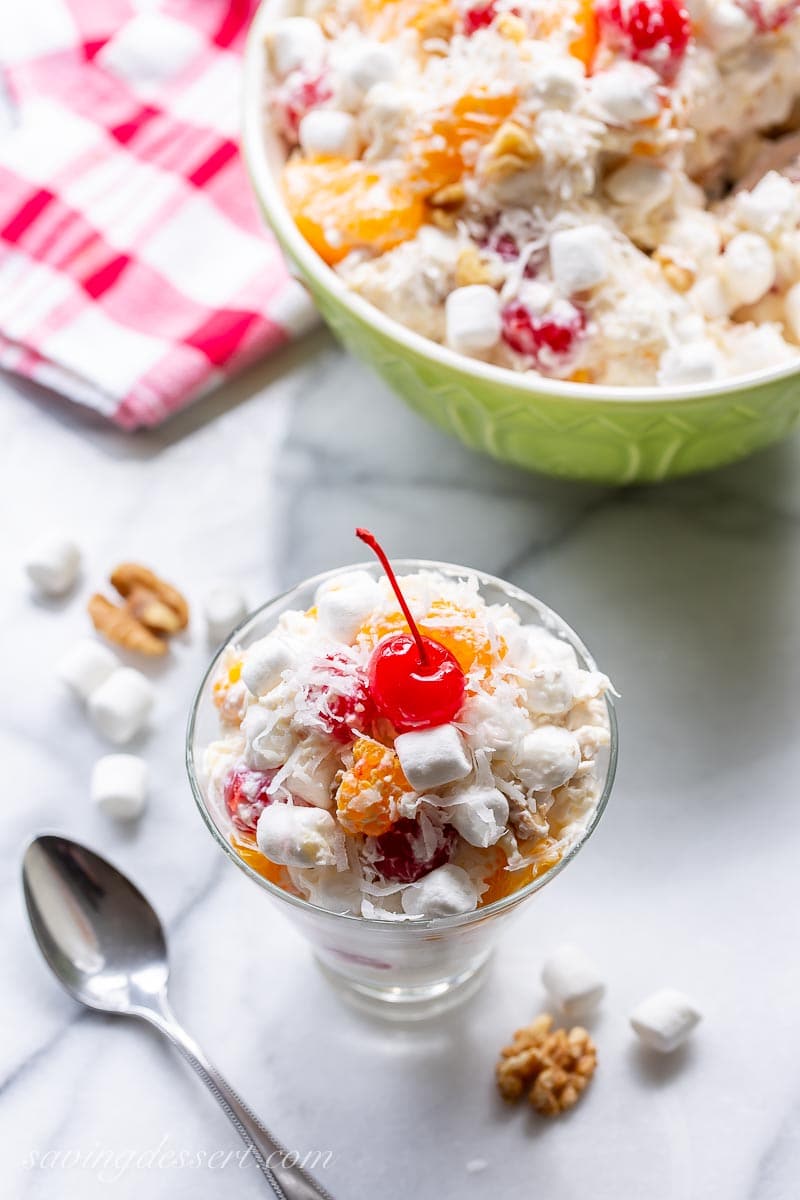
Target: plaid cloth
x,y
134,272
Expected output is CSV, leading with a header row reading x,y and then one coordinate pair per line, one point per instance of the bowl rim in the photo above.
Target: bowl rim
x,y
267,189
425,925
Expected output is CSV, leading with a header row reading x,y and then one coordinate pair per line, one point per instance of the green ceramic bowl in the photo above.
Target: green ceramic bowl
x,y
578,431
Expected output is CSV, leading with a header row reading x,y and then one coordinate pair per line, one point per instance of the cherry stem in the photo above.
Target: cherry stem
x,y
370,540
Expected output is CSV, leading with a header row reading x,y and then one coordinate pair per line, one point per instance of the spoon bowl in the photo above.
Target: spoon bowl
x,y
105,944
100,936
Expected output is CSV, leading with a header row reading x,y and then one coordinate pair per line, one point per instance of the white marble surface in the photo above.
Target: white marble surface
x,y
687,594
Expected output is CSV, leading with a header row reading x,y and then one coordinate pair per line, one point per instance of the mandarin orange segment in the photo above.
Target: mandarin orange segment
x,y
467,645
365,801
581,16
503,882
263,866
224,683
584,45
389,18
339,205
445,145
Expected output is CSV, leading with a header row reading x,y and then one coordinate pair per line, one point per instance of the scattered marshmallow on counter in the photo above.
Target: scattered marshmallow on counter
x,y
263,664
52,565
480,815
573,981
664,1020
472,317
297,42
299,837
579,258
547,758
328,131
120,707
430,758
119,786
224,608
86,666
344,604
445,892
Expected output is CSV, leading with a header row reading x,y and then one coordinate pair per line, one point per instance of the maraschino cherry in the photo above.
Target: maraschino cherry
x,y
415,681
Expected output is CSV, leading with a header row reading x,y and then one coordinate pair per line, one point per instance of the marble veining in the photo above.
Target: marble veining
x,y
686,593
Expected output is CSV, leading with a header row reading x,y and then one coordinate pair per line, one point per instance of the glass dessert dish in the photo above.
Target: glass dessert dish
x,y
402,904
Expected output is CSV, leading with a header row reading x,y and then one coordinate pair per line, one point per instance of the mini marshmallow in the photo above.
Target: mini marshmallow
x,y
364,65
86,666
695,234
329,131
664,1020
480,815
472,318
224,607
537,645
52,565
747,268
119,786
558,82
344,604
727,26
120,707
710,297
573,981
430,758
296,42
299,837
445,892
692,362
264,662
550,689
773,204
547,758
627,93
579,258
641,183
310,775
268,740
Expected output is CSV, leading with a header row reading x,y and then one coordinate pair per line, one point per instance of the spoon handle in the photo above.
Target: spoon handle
x,y
287,1182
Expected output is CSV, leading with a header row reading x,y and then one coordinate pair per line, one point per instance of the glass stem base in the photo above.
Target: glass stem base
x,y
407,1003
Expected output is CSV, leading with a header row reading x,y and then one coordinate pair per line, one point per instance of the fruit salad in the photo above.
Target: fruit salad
x,y
404,749
601,191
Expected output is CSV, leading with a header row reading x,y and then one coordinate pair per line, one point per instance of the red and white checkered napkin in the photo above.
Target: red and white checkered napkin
x,y
134,272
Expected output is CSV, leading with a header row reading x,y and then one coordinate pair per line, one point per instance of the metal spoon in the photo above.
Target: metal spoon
x,y
106,945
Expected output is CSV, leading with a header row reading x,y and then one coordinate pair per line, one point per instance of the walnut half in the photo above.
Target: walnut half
x,y
152,612
553,1065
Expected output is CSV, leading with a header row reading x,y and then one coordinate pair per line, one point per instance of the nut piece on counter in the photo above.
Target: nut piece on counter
x,y
121,627
153,610
168,611
554,1065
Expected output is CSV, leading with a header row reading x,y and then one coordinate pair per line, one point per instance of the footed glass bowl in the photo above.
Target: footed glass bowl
x,y
579,431
403,969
